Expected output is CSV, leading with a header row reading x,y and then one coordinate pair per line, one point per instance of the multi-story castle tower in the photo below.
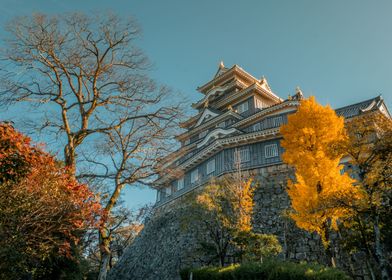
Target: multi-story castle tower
x,y
238,121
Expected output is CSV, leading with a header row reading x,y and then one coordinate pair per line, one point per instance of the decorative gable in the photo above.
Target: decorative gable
x,y
207,115
217,133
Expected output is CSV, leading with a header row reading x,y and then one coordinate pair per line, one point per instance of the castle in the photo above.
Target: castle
x,y
238,120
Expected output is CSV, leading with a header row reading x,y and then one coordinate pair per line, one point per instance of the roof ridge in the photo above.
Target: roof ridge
x,y
364,101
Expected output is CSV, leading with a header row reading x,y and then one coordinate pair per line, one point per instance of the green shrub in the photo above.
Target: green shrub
x,y
257,246
268,270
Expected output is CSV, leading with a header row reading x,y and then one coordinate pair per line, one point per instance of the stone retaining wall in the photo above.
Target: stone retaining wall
x,y
165,246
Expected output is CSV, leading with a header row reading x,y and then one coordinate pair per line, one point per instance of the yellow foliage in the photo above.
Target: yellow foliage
x,y
369,148
320,194
231,202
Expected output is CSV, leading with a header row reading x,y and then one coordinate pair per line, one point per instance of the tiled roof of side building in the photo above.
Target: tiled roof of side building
x,y
357,108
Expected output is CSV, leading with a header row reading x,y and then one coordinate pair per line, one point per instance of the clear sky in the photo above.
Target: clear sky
x,y
339,51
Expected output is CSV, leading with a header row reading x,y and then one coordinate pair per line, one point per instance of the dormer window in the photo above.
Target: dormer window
x,y
243,107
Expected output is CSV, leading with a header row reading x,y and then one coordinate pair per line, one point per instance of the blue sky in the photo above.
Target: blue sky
x,y
339,51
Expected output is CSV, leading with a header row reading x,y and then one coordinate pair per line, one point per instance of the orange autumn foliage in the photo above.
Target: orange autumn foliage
x,y
43,209
320,192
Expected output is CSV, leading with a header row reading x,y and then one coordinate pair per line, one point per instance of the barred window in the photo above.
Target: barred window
x,y
180,183
211,166
242,155
277,121
194,176
243,107
271,150
259,103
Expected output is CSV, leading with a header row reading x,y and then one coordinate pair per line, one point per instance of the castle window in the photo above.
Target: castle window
x,y
243,107
194,176
271,151
258,103
211,166
168,191
180,183
242,155
277,121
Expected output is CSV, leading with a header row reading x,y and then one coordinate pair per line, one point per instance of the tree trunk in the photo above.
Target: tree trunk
x,y
105,254
330,255
104,234
69,155
370,269
378,250
328,249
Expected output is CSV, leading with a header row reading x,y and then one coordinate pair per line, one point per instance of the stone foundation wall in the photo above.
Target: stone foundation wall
x,y
165,246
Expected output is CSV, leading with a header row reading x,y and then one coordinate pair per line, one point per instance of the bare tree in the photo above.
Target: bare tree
x,y
90,84
132,150
80,70
122,227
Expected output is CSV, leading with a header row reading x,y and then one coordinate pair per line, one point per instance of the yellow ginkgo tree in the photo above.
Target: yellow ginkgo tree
x,y
227,207
321,192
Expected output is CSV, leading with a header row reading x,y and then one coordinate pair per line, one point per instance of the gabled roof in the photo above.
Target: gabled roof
x,y
356,109
221,70
225,74
207,114
220,117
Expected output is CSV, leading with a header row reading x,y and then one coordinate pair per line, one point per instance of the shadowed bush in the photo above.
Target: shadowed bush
x,y
268,270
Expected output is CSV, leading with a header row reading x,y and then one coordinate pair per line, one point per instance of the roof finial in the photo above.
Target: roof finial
x,y
263,80
221,65
298,94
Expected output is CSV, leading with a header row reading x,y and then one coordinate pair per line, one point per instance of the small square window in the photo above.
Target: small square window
x,y
243,107
242,155
271,151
